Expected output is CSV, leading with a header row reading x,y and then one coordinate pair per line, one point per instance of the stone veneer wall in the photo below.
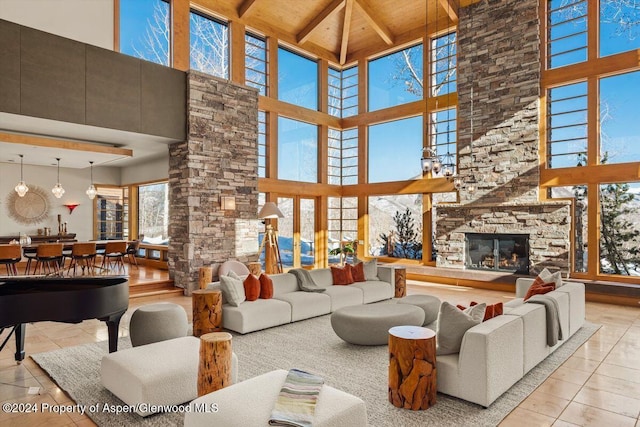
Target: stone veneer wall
x,y
220,157
498,55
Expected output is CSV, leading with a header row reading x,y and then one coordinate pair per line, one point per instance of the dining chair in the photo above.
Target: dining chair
x,y
132,251
48,258
84,255
114,253
10,255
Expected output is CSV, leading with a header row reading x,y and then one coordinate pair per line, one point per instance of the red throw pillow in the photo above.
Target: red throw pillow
x,y
341,276
539,289
490,312
251,287
266,286
357,272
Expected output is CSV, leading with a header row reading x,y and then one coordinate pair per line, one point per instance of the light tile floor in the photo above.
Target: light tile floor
x,y
598,386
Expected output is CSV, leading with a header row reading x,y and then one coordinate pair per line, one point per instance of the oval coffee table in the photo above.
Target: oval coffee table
x,y
369,324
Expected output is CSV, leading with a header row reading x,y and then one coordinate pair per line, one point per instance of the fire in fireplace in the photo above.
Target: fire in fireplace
x,y
497,252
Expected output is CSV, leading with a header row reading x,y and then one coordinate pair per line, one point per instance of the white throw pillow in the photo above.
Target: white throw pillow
x,y
547,277
371,270
232,290
452,325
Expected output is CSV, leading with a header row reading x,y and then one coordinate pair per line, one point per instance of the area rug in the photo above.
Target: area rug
x,y
313,346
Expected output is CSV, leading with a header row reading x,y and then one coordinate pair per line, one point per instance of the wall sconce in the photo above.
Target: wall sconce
x,y
228,203
71,206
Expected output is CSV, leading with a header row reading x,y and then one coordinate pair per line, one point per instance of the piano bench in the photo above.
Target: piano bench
x,y
161,373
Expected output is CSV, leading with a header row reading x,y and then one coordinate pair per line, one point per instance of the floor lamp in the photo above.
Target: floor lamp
x,y
272,259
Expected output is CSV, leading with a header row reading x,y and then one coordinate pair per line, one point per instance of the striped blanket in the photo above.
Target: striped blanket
x,y
296,402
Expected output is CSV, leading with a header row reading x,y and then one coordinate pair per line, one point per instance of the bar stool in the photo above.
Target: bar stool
x,y
10,255
48,258
114,252
84,255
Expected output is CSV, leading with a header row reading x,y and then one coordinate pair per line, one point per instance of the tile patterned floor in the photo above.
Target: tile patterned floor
x,y
598,386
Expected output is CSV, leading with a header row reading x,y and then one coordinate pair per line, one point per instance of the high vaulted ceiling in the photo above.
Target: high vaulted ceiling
x,y
341,30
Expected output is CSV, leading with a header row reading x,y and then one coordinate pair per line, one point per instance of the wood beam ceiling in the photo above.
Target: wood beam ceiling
x,y
375,21
451,7
345,31
245,6
334,7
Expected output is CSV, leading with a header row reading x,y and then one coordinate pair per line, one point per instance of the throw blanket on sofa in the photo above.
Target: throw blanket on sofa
x,y
296,402
305,281
554,328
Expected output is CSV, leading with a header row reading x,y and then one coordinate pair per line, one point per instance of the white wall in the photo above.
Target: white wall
x,y
87,21
156,169
75,183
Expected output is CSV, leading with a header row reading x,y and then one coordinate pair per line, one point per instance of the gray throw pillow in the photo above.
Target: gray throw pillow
x,y
452,325
371,269
232,290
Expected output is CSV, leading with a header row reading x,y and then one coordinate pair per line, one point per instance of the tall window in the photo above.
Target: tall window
x,y
343,92
580,222
396,79
335,92
443,139
262,144
145,29
567,125
209,48
342,225
255,51
393,150
297,150
619,31
619,125
395,226
297,79
567,32
343,157
443,74
112,213
153,211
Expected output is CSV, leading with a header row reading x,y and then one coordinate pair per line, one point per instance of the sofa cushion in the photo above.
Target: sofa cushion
x,y
284,283
266,286
453,323
375,290
341,275
322,277
371,269
357,272
251,287
255,315
305,305
233,290
342,296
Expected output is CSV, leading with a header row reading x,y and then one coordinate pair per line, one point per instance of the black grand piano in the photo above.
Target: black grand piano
x,y
25,299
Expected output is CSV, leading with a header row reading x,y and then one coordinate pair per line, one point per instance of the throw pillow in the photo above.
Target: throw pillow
x,y
251,287
546,276
452,325
539,289
232,290
371,270
357,272
266,286
492,310
341,275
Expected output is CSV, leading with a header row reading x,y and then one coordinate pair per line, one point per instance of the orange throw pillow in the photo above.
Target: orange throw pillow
x,y
266,286
490,312
251,287
357,272
341,276
539,289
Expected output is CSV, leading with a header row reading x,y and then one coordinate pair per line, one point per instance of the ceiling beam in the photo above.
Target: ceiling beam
x,y
86,147
375,21
245,6
335,6
451,8
346,27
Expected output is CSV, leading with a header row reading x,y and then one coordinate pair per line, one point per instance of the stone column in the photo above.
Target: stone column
x,y
220,157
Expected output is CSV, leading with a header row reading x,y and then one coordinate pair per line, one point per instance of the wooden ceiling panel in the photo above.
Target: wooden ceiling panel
x,y
325,34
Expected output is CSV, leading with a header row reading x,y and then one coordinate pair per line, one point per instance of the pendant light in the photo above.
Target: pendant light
x,y
21,188
91,191
57,190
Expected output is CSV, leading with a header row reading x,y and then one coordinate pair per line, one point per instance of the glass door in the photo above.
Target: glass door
x,y
296,231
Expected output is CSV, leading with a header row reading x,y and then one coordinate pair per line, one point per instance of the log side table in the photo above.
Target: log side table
x,y
412,367
207,311
400,280
214,370
205,276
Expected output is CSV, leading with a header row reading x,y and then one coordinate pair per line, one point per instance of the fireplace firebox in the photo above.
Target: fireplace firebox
x,y
497,252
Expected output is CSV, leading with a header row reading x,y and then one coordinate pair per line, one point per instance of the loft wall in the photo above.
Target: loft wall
x,y
51,77
156,169
86,21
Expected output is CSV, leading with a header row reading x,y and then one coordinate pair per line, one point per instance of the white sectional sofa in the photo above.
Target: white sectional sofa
x,y
290,304
497,353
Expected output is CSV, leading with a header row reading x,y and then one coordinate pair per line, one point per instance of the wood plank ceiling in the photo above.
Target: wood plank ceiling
x,y
341,31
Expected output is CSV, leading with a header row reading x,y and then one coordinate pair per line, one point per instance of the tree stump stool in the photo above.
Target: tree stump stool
x,y
412,367
207,311
214,370
205,276
400,282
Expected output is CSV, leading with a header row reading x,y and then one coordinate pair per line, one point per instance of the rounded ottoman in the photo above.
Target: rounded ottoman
x,y
370,324
428,303
157,322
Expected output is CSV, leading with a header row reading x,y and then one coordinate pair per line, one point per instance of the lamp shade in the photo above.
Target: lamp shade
x,y
270,210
